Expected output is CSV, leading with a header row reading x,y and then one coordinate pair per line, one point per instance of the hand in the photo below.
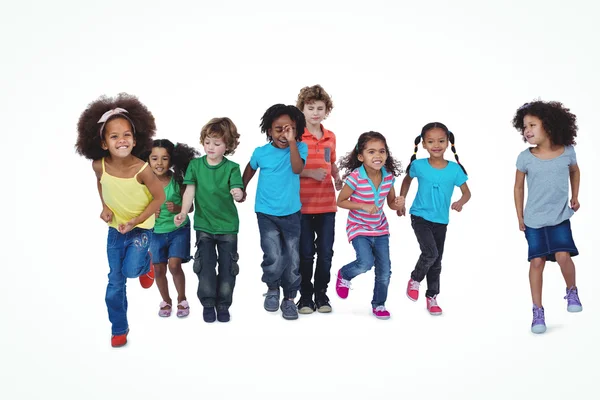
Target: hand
x,y
157,214
339,184
399,202
237,194
457,206
179,219
370,208
106,215
128,226
575,204
289,134
318,174
243,197
172,207
521,225
401,212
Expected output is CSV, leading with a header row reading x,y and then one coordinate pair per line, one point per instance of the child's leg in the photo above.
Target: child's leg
x,y
363,245
433,275
429,252
325,229
307,254
205,268
567,267
160,271
158,250
383,269
178,277
178,252
536,273
228,269
290,235
116,296
270,243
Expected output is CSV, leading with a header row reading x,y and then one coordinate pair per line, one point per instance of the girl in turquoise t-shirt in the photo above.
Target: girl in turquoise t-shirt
x,y
430,210
171,244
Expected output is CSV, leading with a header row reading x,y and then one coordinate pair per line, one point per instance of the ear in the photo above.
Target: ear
x,y
103,144
134,142
361,158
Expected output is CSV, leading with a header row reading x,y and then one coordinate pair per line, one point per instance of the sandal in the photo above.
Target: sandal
x,y
164,312
184,311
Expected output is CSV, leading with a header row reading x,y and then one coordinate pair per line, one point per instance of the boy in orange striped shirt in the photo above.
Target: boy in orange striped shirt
x,y
318,198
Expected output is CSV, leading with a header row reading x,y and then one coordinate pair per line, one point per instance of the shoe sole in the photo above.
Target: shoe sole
x,y
381,317
272,309
305,310
538,328
574,308
435,313
290,318
324,309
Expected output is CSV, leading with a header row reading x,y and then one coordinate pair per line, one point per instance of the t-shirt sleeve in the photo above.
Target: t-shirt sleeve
x,y
190,174
521,164
414,169
303,150
254,159
235,178
572,155
461,177
351,181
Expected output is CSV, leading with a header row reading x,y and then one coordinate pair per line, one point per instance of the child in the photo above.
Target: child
x,y
548,165
317,195
113,132
277,203
431,208
170,244
370,176
214,182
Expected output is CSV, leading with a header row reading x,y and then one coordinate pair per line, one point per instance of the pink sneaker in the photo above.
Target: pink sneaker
x,y
381,313
342,286
432,306
412,290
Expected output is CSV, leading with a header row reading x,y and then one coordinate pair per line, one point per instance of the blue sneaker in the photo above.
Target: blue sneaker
x,y
539,321
289,310
573,303
272,300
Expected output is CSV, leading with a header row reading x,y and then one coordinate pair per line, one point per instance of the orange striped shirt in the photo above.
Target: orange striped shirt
x,y
318,197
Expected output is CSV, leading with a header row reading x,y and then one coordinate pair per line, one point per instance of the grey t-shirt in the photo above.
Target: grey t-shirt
x,y
547,188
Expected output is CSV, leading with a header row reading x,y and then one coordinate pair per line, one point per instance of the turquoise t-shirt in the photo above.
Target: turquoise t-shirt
x,y
278,189
215,211
436,186
165,222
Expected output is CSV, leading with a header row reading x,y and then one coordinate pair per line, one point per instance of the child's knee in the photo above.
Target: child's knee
x,y
537,263
562,257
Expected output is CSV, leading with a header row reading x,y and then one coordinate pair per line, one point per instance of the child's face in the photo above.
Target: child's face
x,y
533,130
373,155
315,112
215,148
118,138
277,131
435,142
160,161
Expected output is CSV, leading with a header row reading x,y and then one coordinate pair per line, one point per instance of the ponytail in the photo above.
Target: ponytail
x,y
451,140
414,156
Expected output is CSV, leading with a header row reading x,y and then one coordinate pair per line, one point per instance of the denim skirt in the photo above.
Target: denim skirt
x,y
548,240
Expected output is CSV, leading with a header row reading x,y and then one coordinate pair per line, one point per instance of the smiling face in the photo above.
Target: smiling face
x,y
118,138
373,155
276,131
533,130
315,112
435,142
215,148
160,161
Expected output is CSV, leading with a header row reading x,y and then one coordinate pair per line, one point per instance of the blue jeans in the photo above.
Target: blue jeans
x,y
128,257
371,250
323,227
279,240
216,290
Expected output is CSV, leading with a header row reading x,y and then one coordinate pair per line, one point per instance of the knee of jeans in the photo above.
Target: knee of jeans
x,y
383,276
197,263
431,252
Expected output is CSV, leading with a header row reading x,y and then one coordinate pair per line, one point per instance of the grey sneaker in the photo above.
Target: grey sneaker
x,y
272,300
289,309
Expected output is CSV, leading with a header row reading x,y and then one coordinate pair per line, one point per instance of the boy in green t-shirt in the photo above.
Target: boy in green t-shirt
x,y
214,182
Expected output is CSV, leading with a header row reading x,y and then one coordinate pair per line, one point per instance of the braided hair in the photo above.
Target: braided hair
x,y
350,161
427,128
180,154
277,111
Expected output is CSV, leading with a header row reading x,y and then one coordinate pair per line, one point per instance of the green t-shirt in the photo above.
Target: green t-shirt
x,y
215,211
165,222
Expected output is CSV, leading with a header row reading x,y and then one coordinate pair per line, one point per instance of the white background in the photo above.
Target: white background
x,y
390,67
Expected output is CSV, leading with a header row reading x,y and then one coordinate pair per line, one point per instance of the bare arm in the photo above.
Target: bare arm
x,y
403,192
466,195
574,174
297,162
186,204
157,191
520,197
344,201
106,215
394,203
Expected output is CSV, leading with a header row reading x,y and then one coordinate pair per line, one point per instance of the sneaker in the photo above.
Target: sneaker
x,y
223,314
412,290
342,286
184,311
539,321
306,305
381,313
289,309
165,309
272,300
209,314
147,279
573,303
322,303
432,306
119,340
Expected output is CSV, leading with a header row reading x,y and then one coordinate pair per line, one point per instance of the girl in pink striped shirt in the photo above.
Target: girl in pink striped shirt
x,y
370,173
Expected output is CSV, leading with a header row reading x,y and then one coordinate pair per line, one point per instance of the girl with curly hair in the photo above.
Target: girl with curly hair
x,y
548,165
277,203
113,132
170,243
370,172
430,211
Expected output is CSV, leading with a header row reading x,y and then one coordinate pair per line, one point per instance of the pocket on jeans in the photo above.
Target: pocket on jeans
x,y
235,267
197,267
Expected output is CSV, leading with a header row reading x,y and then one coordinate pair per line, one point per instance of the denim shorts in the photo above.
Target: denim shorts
x,y
173,244
548,240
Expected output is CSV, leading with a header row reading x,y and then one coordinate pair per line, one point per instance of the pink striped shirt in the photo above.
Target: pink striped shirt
x,y
361,223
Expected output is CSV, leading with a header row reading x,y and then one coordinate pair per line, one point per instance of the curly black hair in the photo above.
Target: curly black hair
x,y
181,154
89,137
276,111
450,136
557,120
350,161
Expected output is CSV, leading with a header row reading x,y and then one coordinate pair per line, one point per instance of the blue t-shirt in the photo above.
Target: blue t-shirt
x,y
436,186
278,190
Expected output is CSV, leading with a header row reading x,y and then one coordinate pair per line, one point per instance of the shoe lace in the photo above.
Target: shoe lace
x,y
538,313
432,302
379,308
572,295
414,285
345,283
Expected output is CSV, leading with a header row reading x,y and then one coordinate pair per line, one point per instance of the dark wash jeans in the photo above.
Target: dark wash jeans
x,y
323,227
431,237
216,290
279,240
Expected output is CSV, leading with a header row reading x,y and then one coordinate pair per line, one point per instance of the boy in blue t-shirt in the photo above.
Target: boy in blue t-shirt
x,y
277,203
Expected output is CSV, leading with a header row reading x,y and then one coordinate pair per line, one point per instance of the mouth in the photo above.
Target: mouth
x,y
122,147
283,142
159,169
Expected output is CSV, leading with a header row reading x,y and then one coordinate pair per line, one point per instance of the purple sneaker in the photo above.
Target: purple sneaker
x,y
573,303
539,322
